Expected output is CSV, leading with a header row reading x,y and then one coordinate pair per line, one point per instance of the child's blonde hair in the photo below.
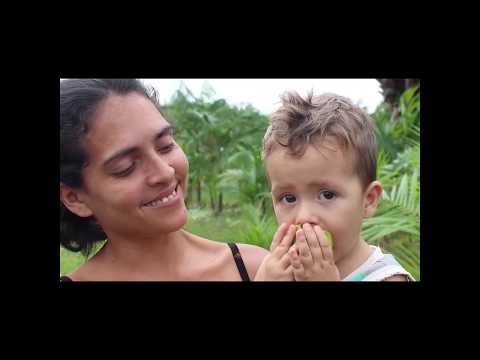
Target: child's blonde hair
x,y
299,121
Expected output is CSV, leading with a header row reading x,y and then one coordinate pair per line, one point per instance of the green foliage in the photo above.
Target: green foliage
x,y
396,223
244,179
258,229
398,211
203,222
395,134
219,139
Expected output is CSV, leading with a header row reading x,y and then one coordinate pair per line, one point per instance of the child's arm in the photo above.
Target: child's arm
x,y
314,259
276,266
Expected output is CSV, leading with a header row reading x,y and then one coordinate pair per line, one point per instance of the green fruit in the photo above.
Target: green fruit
x,y
328,235
329,238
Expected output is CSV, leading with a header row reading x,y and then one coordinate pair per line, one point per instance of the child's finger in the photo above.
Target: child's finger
x,y
279,234
303,249
294,258
297,266
285,261
313,242
286,242
324,244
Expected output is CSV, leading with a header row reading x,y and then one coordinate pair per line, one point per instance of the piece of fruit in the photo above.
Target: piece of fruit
x,y
329,238
327,233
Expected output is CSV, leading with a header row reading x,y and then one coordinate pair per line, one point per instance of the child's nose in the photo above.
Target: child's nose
x,y
303,222
305,215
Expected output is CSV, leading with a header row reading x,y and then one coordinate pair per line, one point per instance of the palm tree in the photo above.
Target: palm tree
x,y
392,89
210,131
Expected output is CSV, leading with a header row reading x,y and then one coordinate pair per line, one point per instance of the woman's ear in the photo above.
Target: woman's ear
x,y
73,201
371,199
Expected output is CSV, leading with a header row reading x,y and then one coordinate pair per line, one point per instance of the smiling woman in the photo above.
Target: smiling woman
x,y
124,178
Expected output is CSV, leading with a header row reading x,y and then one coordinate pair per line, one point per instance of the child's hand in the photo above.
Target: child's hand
x,y
312,257
276,266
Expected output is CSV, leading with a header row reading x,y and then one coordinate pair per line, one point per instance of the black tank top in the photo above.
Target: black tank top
x,y
236,256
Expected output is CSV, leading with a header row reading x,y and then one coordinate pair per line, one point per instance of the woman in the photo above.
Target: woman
x,y
124,178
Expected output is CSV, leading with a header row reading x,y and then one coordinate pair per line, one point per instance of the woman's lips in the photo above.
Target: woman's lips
x,y
166,200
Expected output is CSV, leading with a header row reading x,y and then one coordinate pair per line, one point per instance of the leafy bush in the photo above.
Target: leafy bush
x,y
396,223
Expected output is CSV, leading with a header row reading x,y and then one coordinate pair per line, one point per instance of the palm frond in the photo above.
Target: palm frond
x,y
407,252
404,195
398,211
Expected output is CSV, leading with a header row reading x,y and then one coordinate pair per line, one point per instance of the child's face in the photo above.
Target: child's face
x,y
320,188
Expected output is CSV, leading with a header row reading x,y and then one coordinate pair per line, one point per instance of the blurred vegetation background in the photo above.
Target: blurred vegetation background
x,y
228,195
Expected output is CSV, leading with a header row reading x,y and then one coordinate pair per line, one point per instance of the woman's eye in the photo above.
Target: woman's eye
x,y
167,148
328,195
288,198
125,172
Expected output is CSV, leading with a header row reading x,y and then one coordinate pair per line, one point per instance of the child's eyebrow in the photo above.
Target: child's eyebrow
x,y
281,187
322,184
315,184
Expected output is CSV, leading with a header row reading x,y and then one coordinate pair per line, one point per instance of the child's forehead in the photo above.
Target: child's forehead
x,y
319,161
329,149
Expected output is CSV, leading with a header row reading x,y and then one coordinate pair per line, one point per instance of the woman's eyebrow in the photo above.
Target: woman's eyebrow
x,y
120,154
167,130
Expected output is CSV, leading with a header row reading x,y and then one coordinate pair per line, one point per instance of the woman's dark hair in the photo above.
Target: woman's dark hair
x,y
79,100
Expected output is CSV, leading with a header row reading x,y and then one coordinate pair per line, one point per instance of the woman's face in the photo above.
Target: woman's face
x,y
136,177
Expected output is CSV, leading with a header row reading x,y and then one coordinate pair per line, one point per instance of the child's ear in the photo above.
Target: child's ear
x,y
73,201
371,199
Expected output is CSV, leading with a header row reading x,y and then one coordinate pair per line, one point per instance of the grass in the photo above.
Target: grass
x,y
222,228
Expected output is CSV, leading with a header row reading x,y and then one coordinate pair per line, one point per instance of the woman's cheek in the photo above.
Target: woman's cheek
x,y
180,162
182,168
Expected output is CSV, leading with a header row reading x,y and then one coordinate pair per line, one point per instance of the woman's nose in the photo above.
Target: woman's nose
x,y
159,171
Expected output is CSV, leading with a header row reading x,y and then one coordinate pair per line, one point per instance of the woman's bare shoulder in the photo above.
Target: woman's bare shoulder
x,y
252,256
79,274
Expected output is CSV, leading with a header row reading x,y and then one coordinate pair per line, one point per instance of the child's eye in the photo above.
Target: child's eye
x,y
328,195
288,198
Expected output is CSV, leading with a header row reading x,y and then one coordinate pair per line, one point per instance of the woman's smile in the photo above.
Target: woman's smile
x,y
166,199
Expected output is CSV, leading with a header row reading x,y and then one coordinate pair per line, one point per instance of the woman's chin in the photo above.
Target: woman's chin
x,y
178,221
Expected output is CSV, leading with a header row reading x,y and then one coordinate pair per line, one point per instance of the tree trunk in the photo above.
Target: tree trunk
x,y
220,203
212,202
392,89
199,193
188,200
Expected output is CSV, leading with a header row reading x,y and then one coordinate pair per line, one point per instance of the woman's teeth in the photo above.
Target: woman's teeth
x,y
162,200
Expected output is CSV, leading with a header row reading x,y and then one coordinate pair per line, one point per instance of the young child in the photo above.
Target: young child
x,y
320,158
